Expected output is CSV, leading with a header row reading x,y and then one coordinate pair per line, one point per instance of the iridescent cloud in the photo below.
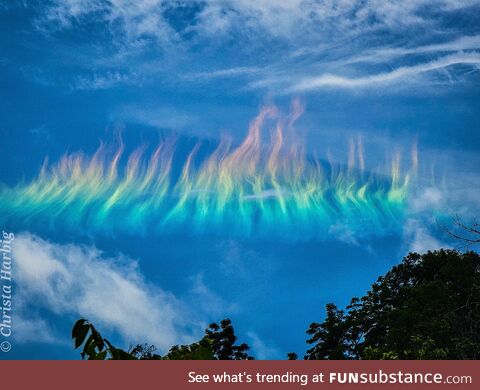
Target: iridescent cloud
x,y
258,188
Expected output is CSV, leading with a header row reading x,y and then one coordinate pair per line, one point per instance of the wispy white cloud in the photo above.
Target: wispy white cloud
x,y
270,45
284,19
462,44
78,281
103,80
372,80
292,18
208,301
262,350
225,73
434,202
341,232
127,20
267,194
420,238
428,198
31,329
163,117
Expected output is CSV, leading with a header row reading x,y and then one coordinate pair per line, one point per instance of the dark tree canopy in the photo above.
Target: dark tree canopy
x,y
223,342
328,338
427,307
218,343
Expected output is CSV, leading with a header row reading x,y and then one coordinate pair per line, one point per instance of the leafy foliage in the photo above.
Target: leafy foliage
x,y
329,338
217,344
223,342
427,307
292,356
95,347
201,350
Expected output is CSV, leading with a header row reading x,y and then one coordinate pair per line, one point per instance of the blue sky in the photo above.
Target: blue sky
x,y
72,73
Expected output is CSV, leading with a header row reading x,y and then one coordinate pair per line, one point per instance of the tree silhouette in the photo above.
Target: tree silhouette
x,y
328,338
427,307
223,342
218,343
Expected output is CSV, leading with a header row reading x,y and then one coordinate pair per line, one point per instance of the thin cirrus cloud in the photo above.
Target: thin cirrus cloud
x,y
372,80
225,73
268,45
222,17
466,43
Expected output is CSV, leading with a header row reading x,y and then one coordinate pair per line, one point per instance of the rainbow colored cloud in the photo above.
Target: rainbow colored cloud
x,y
255,189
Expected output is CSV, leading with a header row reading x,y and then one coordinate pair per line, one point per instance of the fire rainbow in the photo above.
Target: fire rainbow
x,y
248,190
